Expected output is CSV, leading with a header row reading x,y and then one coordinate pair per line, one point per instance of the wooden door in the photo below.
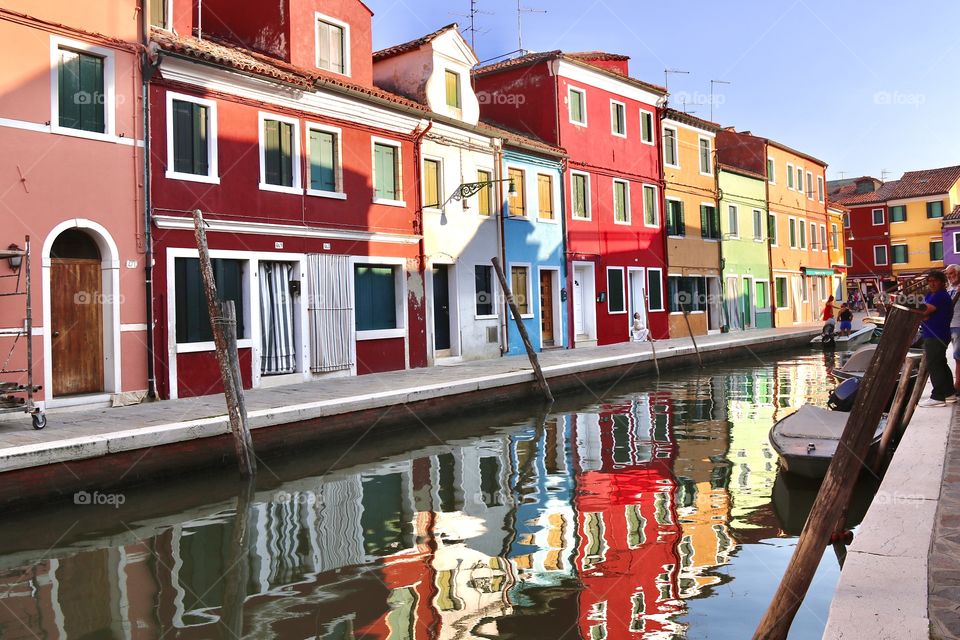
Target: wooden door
x,y
76,326
441,307
546,307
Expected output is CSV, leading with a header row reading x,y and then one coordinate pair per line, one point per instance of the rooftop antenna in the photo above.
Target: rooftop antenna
x,y
712,83
841,174
883,175
472,17
520,11
666,76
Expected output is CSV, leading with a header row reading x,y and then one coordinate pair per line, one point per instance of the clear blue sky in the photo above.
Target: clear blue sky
x,y
865,86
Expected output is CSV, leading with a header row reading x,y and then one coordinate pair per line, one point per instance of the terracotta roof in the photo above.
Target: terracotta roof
x,y
516,138
929,182
847,194
598,55
796,152
833,204
692,120
953,216
575,58
412,45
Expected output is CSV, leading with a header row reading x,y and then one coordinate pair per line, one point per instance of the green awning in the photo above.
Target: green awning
x,y
810,271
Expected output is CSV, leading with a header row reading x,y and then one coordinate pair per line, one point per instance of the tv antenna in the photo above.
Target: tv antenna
x,y
841,174
472,17
712,83
883,175
520,11
666,76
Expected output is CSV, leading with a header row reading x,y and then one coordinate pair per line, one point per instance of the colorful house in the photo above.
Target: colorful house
x,y
836,214
71,129
916,207
692,224
951,237
307,177
588,104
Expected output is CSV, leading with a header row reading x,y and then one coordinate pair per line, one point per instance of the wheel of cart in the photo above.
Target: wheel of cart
x,y
39,420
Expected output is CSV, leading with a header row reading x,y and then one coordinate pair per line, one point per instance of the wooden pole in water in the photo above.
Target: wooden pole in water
x,y
238,571
918,386
223,322
653,345
524,336
878,383
897,411
686,317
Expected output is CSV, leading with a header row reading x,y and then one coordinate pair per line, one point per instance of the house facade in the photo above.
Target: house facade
x,y
71,114
607,122
692,224
951,237
306,174
836,214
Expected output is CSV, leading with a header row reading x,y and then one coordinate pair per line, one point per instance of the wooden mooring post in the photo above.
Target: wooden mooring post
x,y
923,373
834,496
524,336
223,322
898,410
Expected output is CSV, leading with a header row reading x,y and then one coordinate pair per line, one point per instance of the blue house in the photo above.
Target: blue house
x,y
533,234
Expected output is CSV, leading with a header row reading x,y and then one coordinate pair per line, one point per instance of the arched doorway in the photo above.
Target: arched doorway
x,y
76,314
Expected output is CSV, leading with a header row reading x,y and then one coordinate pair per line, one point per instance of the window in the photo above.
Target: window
x,y
193,321
646,127
956,241
483,281
670,147
899,252
809,185
686,294
803,235
823,237
789,176
772,229
616,299
733,221
655,289
651,217
484,201
580,188
618,118
621,202
545,196
520,287
819,188
846,220
792,226
81,95
191,138
813,236
880,255
781,284
159,14
578,106
849,256
804,290
386,172
517,200
834,236
333,50
676,226
936,249
897,214
935,209
761,302
280,154
709,222
375,297
757,224
323,153
877,217
706,157
800,179
432,180
453,88
771,171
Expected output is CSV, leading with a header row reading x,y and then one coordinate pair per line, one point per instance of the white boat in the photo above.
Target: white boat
x,y
856,365
807,440
855,339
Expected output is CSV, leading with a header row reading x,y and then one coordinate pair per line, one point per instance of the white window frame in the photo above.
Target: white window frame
x,y
899,244
583,95
766,290
736,216
374,141
629,219
423,164
339,194
666,210
646,285
846,219
809,185
656,206
213,170
886,255
524,191
786,290
848,256
168,11
587,188
799,182
775,239
709,141
795,240
400,289
802,233
555,219
109,89
531,294
676,147
613,106
813,236
653,122
623,292
791,178
753,215
495,285
347,62
873,217
823,238
297,170
772,164
820,189
956,241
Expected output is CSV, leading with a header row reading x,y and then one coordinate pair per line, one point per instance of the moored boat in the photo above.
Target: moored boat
x,y
855,339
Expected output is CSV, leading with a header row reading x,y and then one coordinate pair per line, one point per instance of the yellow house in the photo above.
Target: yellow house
x,y
692,223
916,208
839,259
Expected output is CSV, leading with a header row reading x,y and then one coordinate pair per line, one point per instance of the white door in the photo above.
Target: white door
x,y
638,297
579,304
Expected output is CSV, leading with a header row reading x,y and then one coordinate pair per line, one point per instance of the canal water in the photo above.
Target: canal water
x,y
643,510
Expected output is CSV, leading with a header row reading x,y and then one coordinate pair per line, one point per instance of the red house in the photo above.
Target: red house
x,y
608,122
268,121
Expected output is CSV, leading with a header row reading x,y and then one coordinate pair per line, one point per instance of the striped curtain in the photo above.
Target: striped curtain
x,y
277,349
331,313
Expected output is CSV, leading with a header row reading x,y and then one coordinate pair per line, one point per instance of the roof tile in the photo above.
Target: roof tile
x,y
928,182
412,45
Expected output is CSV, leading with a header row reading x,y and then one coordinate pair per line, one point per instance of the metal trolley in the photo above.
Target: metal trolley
x,y
17,395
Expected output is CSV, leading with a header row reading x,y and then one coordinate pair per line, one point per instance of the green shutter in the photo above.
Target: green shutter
x,y
91,96
200,160
190,138
375,298
323,161
385,171
286,154
69,88
271,151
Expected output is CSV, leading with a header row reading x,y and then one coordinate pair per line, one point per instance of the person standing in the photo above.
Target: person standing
x,y
935,330
846,320
953,279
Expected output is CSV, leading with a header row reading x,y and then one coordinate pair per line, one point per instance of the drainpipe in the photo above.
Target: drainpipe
x,y
151,60
771,283
418,136
502,246
718,195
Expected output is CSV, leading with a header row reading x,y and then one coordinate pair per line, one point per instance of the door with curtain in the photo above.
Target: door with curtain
x,y
278,349
734,318
330,307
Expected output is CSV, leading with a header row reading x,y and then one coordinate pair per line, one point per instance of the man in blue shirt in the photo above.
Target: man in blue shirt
x,y
935,330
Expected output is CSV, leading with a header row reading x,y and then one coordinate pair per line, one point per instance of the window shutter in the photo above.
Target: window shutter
x,y
545,196
201,163
579,199
324,45
336,49
431,175
182,137
68,78
286,154
386,172
91,97
271,152
483,196
704,221
323,161
681,222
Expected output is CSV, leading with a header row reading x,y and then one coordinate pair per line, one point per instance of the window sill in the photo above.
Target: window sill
x,y
706,175
579,124
623,223
674,236
651,226
672,166
201,347
389,203
381,334
333,195
617,313
618,135
548,220
649,142
88,135
486,317
579,219
281,189
192,177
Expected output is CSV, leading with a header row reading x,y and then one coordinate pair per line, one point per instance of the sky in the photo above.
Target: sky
x,y
868,86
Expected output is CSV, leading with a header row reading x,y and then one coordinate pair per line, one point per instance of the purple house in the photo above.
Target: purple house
x,y
951,237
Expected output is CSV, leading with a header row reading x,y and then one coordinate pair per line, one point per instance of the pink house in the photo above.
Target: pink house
x,y
72,167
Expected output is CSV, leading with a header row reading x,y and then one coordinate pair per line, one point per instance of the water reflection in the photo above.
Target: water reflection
x,y
610,521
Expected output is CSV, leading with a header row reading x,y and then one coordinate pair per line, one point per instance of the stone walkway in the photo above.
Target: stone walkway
x,y
944,562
